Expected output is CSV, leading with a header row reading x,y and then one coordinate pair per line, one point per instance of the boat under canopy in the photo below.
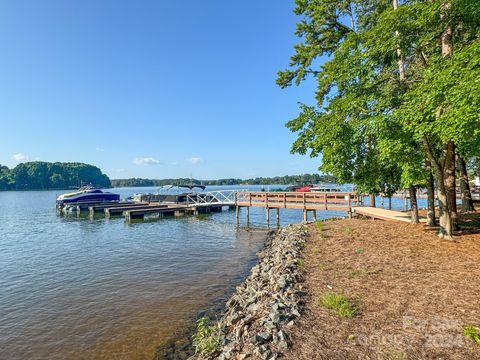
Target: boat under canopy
x,y
170,194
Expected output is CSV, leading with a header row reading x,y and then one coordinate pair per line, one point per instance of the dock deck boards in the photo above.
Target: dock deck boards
x,y
384,214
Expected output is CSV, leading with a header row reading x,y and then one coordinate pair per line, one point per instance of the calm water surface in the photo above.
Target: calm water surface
x,y
76,288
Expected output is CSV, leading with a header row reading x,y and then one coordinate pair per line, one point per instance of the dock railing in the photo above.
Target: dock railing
x,y
209,198
342,201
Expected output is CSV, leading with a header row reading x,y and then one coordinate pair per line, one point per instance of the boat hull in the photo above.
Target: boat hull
x,y
90,197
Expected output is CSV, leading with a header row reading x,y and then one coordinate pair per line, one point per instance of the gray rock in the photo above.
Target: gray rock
x,y
262,337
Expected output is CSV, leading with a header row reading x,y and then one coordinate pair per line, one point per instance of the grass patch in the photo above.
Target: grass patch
x,y
316,251
472,333
393,355
206,340
360,250
356,273
339,303
349,229
319,225
300,263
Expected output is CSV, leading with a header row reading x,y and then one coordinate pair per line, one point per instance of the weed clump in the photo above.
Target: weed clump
x,y
206,340
472,333
339,303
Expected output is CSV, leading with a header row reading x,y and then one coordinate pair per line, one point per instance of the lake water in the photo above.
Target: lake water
x,y
80,288
76,288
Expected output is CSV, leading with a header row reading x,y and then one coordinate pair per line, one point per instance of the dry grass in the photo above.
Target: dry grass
x,y
416,292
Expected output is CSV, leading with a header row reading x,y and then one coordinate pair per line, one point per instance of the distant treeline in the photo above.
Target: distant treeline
x,y
278,180
39,175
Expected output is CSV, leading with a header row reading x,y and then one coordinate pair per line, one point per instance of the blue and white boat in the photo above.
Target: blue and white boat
x,y
87,194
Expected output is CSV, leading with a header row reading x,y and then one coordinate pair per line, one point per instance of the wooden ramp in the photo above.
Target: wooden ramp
x,y
384,214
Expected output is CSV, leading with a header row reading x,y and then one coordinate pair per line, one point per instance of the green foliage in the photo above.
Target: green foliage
x,y
300,263
472,333
339,303
206,340
360,250
277,180
39,175
370,125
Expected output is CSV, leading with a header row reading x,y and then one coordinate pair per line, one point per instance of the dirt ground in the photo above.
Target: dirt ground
x,y
415,292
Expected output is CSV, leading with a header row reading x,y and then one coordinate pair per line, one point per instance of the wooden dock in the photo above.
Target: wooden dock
x,y
215,201
384,214
306,201
120,205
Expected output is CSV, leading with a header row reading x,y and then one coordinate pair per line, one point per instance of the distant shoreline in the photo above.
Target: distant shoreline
x,y
277,180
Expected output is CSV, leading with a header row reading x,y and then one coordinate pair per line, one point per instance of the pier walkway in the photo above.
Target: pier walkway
x,y
384,214
306,201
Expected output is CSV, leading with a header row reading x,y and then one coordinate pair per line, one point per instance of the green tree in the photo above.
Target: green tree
x,y
392,91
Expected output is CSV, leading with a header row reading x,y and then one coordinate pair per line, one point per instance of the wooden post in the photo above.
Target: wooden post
x,y
278,216
325,201
304,215
248,215
349,206
285,200
237,212
267,213
315,215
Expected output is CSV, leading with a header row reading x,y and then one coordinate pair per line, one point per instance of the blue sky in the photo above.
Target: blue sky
x,y
150,88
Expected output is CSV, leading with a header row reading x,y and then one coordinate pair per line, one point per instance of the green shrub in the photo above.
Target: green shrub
x,y
319,225
338,303
206,340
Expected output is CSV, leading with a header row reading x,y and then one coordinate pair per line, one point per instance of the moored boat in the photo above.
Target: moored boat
x,y
87,194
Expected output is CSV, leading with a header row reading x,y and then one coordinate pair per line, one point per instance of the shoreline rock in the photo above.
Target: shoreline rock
x,y
257,317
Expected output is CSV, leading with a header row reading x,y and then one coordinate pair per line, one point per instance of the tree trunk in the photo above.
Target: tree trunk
x,y
430,199
400,58
445,218
413,204
450,186
478,166
371,200
466,195
390,202
447,44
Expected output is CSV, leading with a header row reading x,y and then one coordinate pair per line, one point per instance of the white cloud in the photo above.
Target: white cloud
x,y
195,160
146,161
19,157
98,148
